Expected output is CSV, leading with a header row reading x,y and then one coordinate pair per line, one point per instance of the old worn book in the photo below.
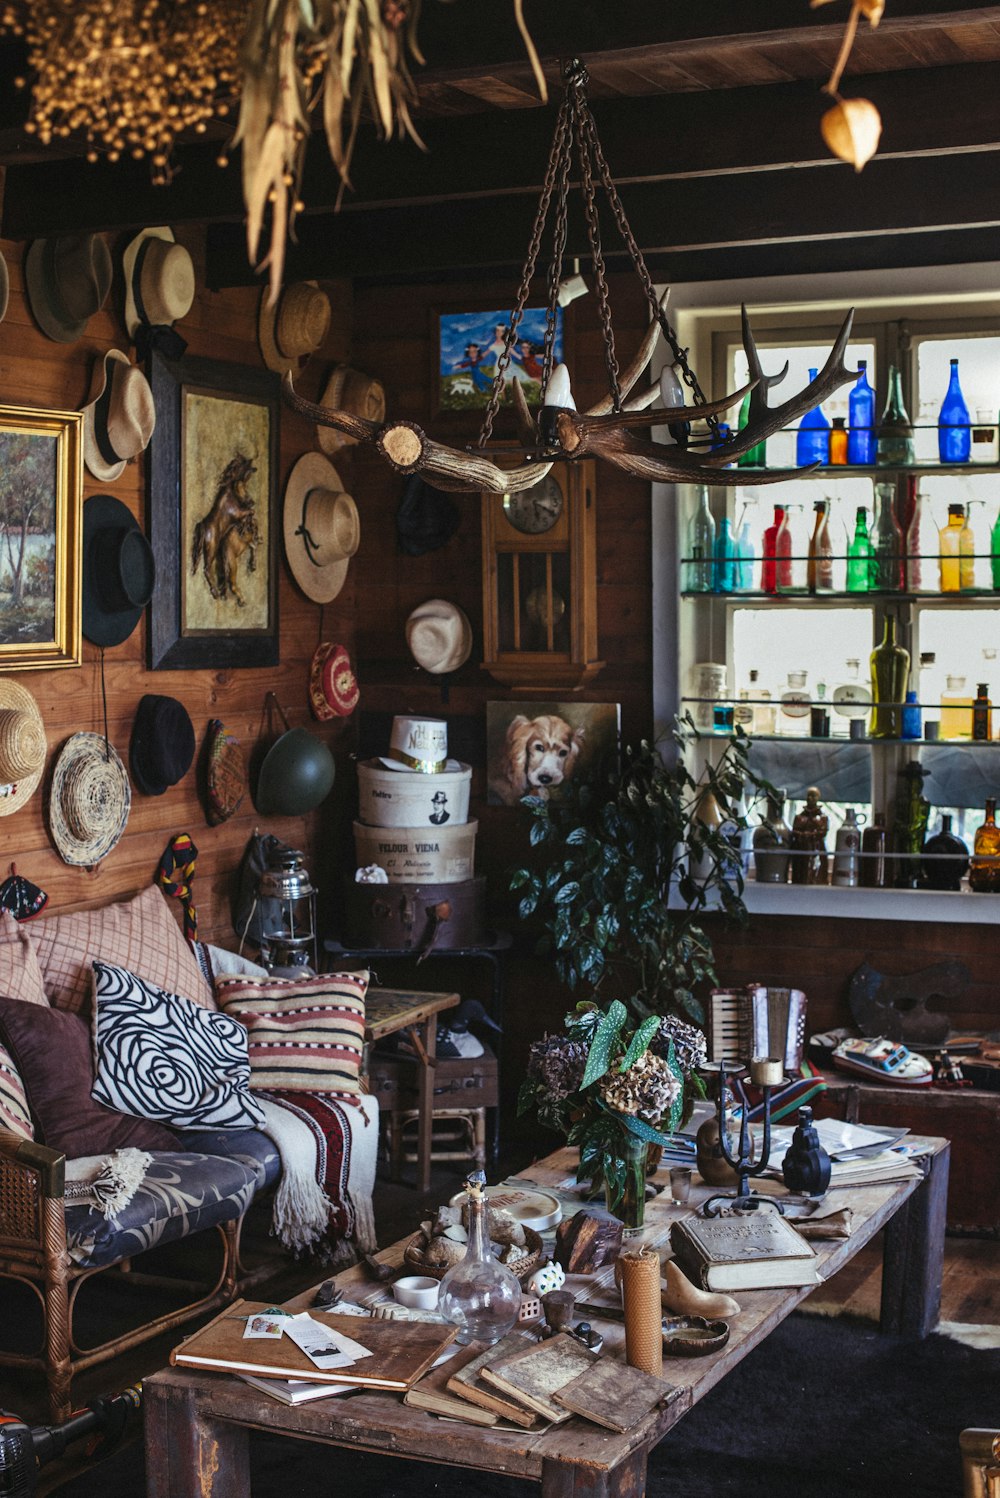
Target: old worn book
x,y
399,1352
431,1392
466,1383
534,1376
614,1395
753,1251
295,1390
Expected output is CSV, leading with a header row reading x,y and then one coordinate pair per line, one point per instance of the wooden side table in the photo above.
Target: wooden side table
x,y
391,1010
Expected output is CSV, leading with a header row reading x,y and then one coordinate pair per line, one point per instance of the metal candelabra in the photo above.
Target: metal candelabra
x,y
766,1072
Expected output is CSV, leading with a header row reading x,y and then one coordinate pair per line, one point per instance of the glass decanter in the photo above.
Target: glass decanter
x,y
479,1295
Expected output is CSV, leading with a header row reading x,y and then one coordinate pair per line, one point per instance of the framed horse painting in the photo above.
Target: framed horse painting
x,y
213,473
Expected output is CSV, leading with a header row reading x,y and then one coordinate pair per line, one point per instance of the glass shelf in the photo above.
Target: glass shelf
x,y
754,595
868,471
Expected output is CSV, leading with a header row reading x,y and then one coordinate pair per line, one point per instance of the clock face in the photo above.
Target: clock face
x,y
534,511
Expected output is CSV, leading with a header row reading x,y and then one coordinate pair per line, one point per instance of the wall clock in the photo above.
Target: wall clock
x,y
540,583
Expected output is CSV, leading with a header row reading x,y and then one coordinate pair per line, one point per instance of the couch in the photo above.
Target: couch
x,y
56,1230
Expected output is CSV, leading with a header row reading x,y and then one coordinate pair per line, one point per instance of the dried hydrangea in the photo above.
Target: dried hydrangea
x,y
647,1090
557,1065
690,1048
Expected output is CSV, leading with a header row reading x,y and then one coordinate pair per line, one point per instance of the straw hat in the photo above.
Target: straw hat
x,y
66,281
119,571
322,527
333,686
90,800
349,390
294,327
419,746
159,280
22,746
119,417
439,636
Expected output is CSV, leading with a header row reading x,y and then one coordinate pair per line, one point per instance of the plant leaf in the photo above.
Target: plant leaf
x,y
639,1044
605,1038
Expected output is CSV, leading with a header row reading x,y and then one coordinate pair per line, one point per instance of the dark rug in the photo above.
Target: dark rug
x,y
821,1407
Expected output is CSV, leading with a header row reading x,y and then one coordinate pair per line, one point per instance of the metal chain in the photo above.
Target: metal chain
x,y
581,115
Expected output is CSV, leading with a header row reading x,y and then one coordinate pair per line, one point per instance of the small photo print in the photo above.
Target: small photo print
x,y
535,748
265,1325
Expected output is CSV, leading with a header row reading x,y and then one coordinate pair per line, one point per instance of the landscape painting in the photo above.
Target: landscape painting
x,y
469,345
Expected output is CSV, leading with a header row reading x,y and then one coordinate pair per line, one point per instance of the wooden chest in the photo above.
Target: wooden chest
x,y
460,1082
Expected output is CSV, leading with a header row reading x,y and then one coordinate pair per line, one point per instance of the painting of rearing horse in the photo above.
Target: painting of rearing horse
x,y
228,532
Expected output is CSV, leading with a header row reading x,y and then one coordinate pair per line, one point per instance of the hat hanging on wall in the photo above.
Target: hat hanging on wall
x,y
23,899
119,417
162,745
427,518
439,636
349,390
66,281
119,572
322,527
159,291
333,686
296,769
225,772
22,746
90,799
290,331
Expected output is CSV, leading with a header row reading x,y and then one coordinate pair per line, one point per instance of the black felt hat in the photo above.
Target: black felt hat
x,y
426,519
162,744
118,570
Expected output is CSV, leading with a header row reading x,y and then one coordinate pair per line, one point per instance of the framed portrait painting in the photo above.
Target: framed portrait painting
x,y
213,469
41,499
535,748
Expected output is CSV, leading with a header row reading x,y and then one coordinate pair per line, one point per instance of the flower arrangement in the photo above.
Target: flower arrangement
x,y
613,1090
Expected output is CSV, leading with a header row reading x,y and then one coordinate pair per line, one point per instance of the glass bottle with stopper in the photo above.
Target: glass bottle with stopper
x,y
479,1295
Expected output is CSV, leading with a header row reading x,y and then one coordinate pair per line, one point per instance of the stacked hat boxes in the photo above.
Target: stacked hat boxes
x,y
415,845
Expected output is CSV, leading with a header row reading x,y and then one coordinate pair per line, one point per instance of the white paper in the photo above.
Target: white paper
x,y
327,1348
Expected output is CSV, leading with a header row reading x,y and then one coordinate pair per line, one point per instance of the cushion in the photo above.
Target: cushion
x,y
250,1147
160,1056
219,962
15,1115
140,934
52,1052
305,1034
20,974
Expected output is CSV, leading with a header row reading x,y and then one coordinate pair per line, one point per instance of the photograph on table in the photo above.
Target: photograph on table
x,y
535,748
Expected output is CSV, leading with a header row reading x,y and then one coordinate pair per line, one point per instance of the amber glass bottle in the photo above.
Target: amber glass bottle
x,y
984,870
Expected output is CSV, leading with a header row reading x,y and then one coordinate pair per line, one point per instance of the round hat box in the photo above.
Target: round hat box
x,y
389,799
415,855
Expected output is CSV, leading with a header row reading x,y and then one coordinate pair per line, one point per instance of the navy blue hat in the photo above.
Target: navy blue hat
x,y
162,744
427,518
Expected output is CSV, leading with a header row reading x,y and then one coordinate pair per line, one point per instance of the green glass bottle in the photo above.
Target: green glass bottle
x,y
995,553
859,556
895,430
757,456
890,668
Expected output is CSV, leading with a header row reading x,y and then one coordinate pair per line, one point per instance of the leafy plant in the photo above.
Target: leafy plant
x,y
627,862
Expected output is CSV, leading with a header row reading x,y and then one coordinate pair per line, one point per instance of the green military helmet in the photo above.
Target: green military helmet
x,y
295,776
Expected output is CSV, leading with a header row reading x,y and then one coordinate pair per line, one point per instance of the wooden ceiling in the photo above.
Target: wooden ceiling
x,y
708,111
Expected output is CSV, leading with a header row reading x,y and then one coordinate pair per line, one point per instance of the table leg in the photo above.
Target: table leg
x,y
913,1255
579,1480
189,1455
425,1123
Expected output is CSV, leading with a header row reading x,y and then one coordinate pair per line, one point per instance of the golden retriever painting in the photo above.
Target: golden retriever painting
x,y
536,750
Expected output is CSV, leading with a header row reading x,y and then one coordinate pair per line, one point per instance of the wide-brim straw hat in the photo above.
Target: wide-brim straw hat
x,y
90,800
359,394
292,329
119,571
66,281
119,417
22,746
159,280
322,527
439,636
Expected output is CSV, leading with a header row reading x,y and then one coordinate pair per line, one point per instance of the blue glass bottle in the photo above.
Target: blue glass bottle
x,y
861,421
954,435
812,441
912,718
726,558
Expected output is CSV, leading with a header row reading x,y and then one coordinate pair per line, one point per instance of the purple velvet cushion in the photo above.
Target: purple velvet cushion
x,y
53,1054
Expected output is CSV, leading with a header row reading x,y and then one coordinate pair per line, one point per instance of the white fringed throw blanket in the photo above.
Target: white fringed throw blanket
x,y
106,1182
328,1156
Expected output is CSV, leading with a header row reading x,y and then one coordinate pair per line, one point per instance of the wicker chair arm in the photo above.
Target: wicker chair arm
x,y
24,1156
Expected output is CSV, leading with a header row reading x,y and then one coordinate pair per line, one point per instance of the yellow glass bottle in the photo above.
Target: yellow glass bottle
x,y
984,870
950,550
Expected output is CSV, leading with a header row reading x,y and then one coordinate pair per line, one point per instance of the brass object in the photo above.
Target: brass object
x,y
767,1071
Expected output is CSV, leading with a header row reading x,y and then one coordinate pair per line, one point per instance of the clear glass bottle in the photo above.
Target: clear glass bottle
x,y
956,709
757,456
769,553
890,666
792,551
984,870
793,713
701,546
954,432
888,573
918,533
672,399
861,423
851,699
745,559
967,555
743,711
812,440
819,573
982,714
764,711
479,1295
726,560
954,553
895,430
859,555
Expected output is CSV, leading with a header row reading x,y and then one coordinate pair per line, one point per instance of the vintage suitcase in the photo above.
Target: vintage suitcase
x,y
416,917
459,1082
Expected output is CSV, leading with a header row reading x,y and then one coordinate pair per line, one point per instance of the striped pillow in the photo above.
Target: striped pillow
x,y
15,1116
305,1034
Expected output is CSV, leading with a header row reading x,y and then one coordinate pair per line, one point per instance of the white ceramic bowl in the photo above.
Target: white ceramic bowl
x,y
417,1290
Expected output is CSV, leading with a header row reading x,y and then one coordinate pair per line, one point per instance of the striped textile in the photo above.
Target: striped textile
x,y
305,1034
804,1088
15,1116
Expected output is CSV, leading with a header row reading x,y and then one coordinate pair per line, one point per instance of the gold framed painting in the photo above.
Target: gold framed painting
x,y
41,500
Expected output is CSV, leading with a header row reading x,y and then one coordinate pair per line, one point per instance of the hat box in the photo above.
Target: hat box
x,y
410,855
416,917
388,799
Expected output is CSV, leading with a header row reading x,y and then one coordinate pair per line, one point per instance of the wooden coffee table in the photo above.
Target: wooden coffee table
x,y
198,1424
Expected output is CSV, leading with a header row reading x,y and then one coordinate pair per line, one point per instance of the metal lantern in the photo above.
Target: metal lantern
x,y
287,902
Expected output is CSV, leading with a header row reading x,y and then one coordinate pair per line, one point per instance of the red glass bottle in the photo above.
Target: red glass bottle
x,y
769,553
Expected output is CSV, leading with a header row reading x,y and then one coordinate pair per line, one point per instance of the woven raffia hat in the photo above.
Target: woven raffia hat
x,y
349,390
90,800
322,527
225,770
119,416
22,746
159,280
290,331
66,281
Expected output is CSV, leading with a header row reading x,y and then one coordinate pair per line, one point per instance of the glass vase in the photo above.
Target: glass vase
x,y
625,1190
479,1295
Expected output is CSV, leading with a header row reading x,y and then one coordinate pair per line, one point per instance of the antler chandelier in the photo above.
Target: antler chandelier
x,y
611,429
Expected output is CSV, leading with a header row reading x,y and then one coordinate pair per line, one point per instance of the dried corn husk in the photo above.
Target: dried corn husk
x,y
852,129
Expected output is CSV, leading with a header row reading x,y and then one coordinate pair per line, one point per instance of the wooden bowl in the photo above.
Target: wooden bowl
x,y
413,1257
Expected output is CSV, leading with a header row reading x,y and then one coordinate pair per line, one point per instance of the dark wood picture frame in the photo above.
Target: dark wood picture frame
x,y
172,645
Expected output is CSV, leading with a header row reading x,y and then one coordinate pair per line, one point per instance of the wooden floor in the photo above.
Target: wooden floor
x,y
970,1288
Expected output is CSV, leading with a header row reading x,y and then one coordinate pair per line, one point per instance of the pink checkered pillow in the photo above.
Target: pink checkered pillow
x,y
305,1034
20,975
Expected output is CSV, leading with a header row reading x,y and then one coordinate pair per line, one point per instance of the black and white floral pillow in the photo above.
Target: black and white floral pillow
x,y
158,1055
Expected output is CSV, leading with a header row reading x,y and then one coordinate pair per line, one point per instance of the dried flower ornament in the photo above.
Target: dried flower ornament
x,y
852,128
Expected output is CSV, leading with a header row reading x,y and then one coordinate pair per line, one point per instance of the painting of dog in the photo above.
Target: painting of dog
x,y
534,749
